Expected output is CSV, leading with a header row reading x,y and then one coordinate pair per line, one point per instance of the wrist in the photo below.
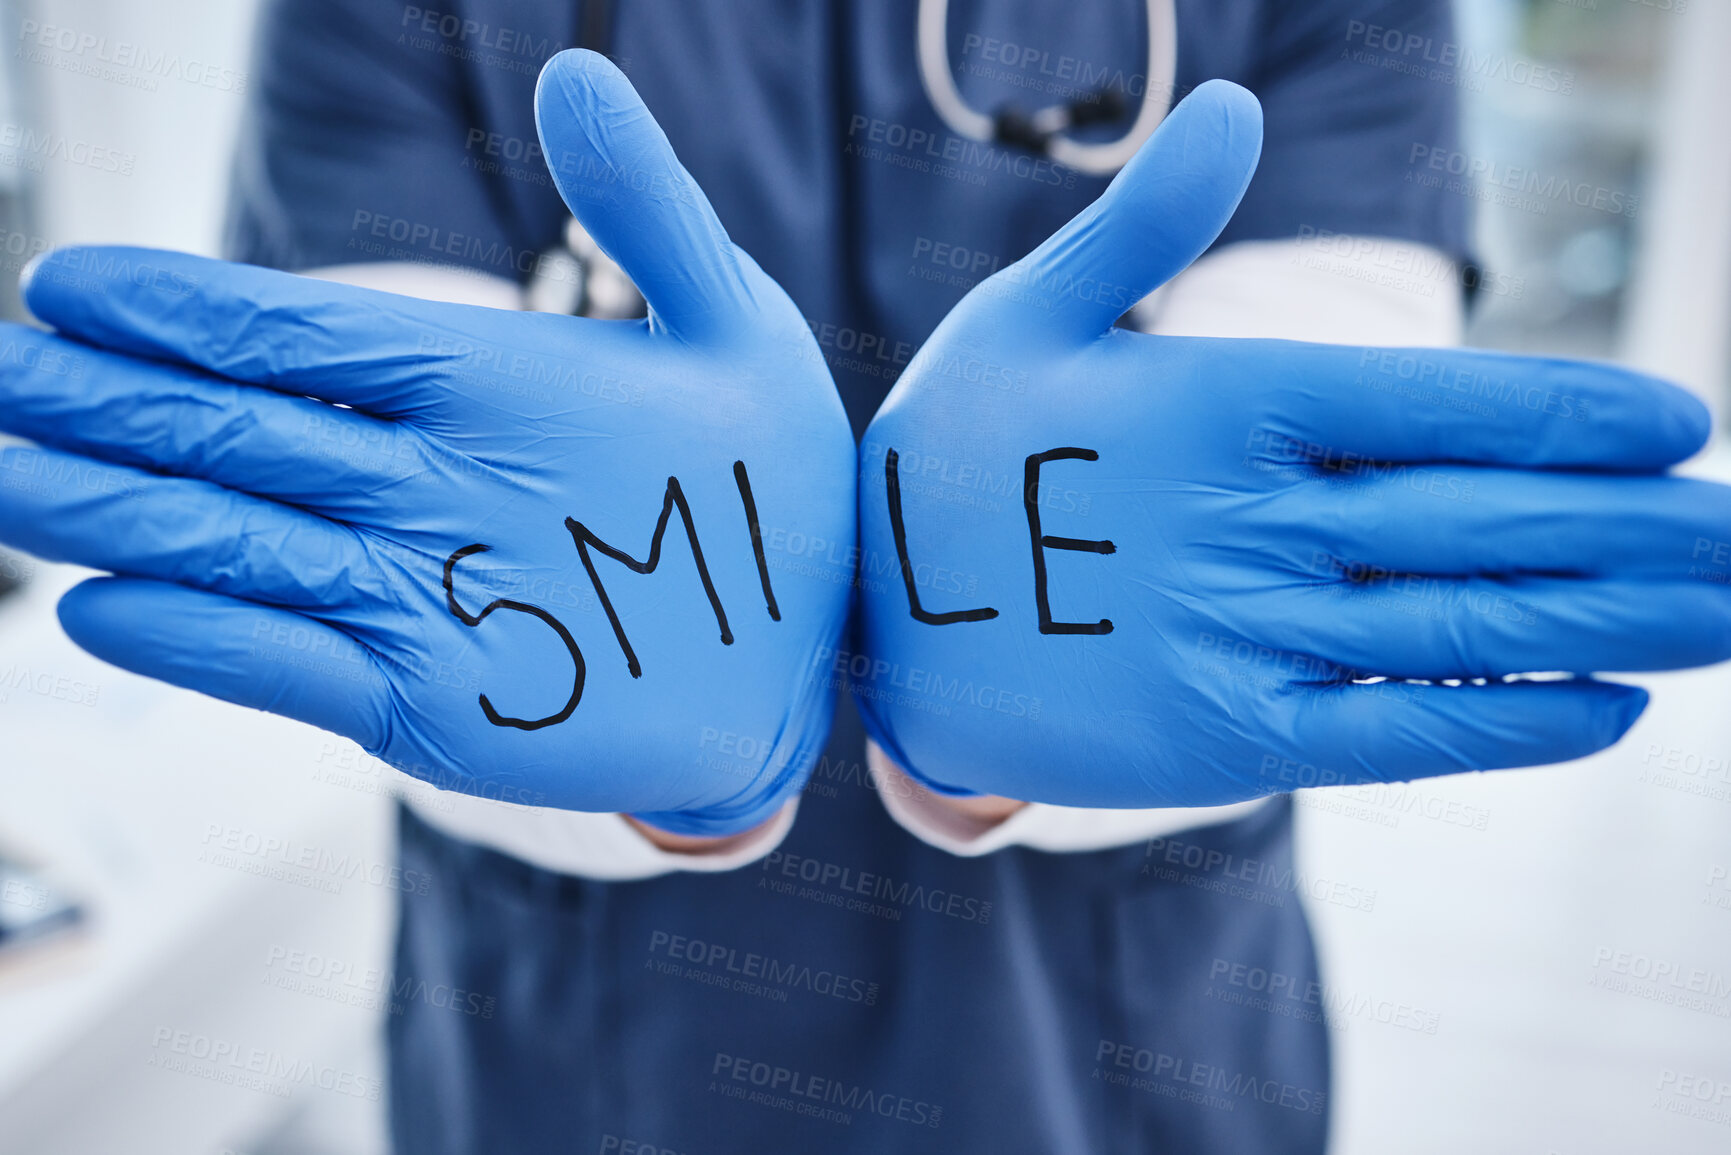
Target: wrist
x,y
963,817
986,809
736,820
697,844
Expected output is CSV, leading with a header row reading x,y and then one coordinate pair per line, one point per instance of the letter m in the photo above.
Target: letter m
x,y
584,538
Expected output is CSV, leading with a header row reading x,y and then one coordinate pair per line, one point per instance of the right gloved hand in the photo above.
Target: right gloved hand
x,y
1186,559
423,525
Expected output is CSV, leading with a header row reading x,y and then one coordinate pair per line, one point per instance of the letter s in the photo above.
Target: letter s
x,y
467,619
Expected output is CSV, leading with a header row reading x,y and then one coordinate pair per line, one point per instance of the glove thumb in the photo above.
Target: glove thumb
x,y
618,175
1159,214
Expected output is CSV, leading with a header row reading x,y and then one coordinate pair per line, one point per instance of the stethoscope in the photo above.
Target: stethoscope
x,y
579,278
1047,131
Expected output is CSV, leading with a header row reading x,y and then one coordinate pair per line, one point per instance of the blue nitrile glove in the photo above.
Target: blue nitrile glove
x,y
535,560
1157,571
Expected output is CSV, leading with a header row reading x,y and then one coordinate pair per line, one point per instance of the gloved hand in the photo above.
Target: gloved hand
x,y
1187,559
518,555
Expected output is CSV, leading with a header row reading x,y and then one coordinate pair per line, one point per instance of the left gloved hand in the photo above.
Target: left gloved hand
x,y
423,525
1159,571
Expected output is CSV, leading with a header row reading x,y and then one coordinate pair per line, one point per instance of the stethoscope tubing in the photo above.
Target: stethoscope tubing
x,y
1096,159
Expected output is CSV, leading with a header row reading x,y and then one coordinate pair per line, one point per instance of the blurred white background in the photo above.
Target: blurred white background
x,y
1567,931
235,867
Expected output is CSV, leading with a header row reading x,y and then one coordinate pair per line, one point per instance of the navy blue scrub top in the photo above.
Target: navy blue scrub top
x,y
856,991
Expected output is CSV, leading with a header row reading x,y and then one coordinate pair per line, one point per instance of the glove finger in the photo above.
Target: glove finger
x,y
251,655
389,355
1397,731
112,517
620,178
1339,406
1159,214
1379,519
1413,626
335,461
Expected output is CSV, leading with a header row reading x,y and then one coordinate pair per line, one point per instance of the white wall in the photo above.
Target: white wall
x,y
178,129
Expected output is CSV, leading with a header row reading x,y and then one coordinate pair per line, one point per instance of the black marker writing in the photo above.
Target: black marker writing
x,y
1042,543
584,539
468,619
893,493
674,499
750,504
